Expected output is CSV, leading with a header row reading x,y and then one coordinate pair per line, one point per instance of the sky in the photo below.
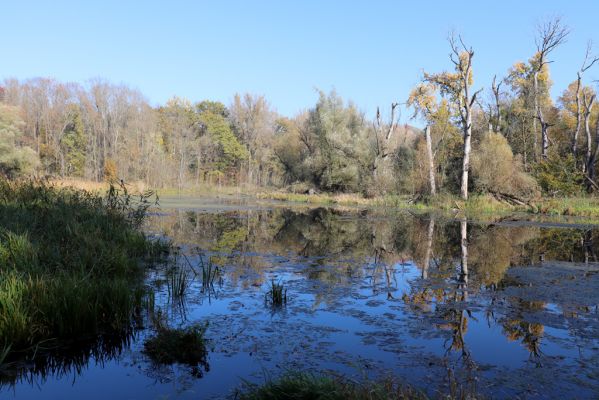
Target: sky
x,y
372,52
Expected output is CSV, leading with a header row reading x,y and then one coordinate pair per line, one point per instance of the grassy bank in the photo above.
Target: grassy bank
x,y
572,206
70,265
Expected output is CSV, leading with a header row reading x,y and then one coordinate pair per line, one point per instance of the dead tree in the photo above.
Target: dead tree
x,y
431,164
550,36
588,101
586,64
382,137
458,86
496,87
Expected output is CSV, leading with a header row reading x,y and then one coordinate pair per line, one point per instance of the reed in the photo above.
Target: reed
x,y
71,264
277,295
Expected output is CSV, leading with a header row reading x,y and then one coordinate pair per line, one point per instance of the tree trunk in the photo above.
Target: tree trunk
x,y
431,165
577,131
464,245
591,156
540,117
466,159
429,247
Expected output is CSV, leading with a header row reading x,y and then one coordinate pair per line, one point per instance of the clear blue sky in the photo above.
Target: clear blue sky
x,y
372,52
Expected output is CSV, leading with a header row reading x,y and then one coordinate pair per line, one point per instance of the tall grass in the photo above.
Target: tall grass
x,y
71,264
178,282
277,295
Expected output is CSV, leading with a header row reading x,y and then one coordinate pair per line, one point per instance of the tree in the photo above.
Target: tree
x,y
253,121
496,89
495,170
73,145
422,99
382,134
549,36
15,159
458,86
586,64
212,121
336,139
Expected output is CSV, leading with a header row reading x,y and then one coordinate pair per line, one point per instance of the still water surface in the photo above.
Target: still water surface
x,y
507,308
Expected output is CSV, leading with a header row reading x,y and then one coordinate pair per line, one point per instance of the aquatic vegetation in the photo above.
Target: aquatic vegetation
x,y
183,346
277,295
71,264
209,272
178,282
295,385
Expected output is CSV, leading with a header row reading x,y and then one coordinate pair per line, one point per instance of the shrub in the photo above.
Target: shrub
x,y
496,170
559,176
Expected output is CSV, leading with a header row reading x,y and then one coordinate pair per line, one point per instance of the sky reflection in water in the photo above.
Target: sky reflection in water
x,y
419,297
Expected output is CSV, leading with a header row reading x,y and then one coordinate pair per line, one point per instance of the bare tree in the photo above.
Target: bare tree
x,y
382,137
431,164
586,64
496,87
549,36
588,101
459,86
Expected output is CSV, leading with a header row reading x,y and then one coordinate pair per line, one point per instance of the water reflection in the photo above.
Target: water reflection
x,y
435,300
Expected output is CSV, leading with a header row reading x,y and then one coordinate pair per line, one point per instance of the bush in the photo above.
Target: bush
x,y
496,170
559,176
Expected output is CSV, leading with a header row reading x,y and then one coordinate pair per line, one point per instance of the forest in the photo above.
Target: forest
x,y
508,138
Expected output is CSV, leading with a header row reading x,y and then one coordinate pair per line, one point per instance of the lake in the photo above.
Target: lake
x,y
507,307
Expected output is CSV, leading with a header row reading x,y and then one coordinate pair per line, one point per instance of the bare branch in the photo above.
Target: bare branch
x,y
593,59
474,97
550,35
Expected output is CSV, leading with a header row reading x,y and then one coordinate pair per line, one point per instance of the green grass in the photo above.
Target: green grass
x,y
184,346
477,203
71,265
304,386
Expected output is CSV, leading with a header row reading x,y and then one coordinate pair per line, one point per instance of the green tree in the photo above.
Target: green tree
x,y
73,145
15,157
340,158
212,120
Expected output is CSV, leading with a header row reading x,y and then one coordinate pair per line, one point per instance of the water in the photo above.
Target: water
x,y
430,300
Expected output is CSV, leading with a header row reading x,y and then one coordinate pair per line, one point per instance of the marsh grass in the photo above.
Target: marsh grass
x,y
179,345
178,283
303,386
71,265
277,295
209,272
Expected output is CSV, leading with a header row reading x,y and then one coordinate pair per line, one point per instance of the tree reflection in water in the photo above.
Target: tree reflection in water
x,y
438,272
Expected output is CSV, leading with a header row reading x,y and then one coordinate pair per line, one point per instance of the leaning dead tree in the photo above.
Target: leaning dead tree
x,y
458,86
382,136
586,64
550,35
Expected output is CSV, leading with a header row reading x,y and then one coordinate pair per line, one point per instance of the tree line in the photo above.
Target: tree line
x,y
511,139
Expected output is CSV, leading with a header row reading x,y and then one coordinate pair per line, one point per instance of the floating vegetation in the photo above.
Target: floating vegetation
x,y
277,295
185,346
